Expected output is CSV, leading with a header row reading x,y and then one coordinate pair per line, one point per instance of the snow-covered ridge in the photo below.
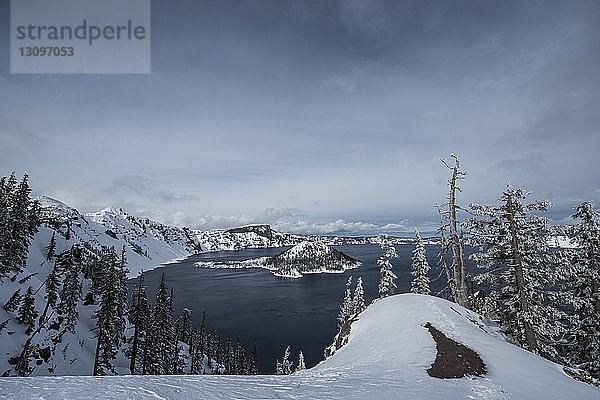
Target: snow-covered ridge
x,y
149,243
304,258
387,356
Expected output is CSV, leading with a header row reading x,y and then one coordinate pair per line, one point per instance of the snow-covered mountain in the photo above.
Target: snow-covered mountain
x,y
387,357
307,257
149,243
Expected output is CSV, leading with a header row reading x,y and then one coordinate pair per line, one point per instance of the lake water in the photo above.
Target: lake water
x,y
275,312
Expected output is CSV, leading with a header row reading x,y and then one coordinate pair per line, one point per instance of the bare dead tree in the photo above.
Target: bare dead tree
x,y
458,269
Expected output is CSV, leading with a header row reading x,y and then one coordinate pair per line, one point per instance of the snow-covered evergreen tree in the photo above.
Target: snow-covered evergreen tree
x,y
513,246
121,289
110,315
420,268
240,360
229,358
70,262
19,221
51,249
358,301
301,364
285,366
141,320
52,287
178,358
581,272
347,306
184,326
202,334
210,353
164,331
27,311
253,361
387,286
13,303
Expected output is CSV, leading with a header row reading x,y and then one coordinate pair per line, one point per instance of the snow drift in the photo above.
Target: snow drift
x,y
387,356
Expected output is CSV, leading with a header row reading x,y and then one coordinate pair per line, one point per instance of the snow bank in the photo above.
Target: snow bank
x,y
387,355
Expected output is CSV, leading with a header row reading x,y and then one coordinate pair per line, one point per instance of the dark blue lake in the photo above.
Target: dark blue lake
x,y
274,312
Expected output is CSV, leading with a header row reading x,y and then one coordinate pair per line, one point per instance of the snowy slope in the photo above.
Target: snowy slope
x,y
148,243
74,354
386,357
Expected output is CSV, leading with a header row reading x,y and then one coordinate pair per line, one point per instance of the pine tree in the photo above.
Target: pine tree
x,y
19,222
196,357
286,364
121,290
150,358
240,360
69,261
140,317
358,301
581,271
184,326
513,247
301,364
68,234
109,317
3,325
209,351
420,268
52,287
229,358
387,286
164,331
51,249
13,303
6,188
202,334
347,306
27,311
253,361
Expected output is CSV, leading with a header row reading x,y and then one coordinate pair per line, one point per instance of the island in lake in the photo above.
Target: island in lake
x,y
303,258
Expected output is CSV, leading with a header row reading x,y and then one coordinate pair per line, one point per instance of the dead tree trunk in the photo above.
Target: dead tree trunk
x,y
459,268
443,262
520,280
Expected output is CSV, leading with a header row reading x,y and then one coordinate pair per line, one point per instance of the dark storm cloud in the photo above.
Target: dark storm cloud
x,y
323,111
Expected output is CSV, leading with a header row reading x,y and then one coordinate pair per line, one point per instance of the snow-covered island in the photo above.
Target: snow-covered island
x,y
388,355
304,258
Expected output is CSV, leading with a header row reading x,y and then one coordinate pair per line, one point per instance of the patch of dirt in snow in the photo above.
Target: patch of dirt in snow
x,y
453,360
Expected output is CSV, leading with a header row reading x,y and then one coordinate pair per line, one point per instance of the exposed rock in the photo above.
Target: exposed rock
x,y
453,360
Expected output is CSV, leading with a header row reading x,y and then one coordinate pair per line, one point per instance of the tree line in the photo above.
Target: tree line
x,y
159,342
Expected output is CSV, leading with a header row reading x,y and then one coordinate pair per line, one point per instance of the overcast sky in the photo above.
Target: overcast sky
x,y
320,116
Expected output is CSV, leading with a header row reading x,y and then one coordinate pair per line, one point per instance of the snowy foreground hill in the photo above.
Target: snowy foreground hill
x,y
387,357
